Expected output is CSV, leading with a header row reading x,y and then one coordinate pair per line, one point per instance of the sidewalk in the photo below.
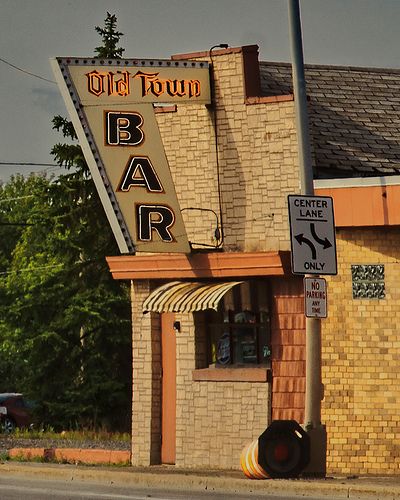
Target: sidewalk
x,y
169,477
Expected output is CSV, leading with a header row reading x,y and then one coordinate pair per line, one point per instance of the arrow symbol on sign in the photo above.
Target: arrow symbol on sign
x,y
300,238
324,243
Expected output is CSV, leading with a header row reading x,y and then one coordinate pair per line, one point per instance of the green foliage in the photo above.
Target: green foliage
x,y
65,323
65,126
65,334
110,38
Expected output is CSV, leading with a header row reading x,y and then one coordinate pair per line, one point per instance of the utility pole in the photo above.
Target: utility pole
x,y
314,390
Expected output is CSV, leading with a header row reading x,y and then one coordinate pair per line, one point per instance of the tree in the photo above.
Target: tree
x,y
18,201
110,38
66,321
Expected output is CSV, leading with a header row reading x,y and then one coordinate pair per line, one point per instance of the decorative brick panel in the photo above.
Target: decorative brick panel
x,y
288,350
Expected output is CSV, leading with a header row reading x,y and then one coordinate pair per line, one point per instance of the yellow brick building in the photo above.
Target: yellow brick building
x,y
360,359
233,165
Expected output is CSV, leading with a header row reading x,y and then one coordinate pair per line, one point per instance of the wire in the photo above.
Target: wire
x,y
16,198
52,266
50,167
26,72
28,164
3,273
16,224
214,111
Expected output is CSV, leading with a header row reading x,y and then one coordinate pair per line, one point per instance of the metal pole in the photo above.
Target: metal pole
x,y
313,325
299,86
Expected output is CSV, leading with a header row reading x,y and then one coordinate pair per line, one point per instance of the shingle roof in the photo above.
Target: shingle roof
x,y
354,116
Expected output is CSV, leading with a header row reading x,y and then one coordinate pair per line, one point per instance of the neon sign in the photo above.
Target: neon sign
x,y
101,82
111,106
118,84
151,84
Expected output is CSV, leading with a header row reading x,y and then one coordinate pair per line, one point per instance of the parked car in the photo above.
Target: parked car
x,y
15,411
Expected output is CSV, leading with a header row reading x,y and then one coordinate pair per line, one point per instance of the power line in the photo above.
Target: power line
x,y
47,167
16,224
28,164
30,269
16,198
26,72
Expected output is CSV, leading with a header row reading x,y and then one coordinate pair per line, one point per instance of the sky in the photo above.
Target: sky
x,y
335,32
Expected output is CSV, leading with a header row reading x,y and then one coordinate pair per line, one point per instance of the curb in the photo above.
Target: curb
x,y
156,477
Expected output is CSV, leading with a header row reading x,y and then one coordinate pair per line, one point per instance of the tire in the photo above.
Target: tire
x,y
8,425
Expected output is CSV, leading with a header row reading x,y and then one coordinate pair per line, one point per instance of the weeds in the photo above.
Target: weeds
x,y
71,435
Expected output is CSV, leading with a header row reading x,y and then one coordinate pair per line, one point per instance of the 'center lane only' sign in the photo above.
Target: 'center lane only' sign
x,y
312,235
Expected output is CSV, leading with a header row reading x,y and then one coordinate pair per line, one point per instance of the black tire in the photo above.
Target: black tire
x,y
8,425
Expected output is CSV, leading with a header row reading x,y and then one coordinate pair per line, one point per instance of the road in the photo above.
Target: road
x,y
16,488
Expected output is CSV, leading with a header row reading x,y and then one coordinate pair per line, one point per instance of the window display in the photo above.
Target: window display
x,y
239,332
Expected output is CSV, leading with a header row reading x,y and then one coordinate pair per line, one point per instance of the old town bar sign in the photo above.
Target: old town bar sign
x,y
111,104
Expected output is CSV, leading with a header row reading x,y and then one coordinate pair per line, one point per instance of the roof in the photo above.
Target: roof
x,y
354,116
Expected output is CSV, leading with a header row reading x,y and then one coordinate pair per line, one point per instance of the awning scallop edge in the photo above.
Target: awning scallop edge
x,y
179,296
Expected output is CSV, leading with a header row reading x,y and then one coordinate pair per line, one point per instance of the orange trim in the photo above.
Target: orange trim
x,y
200,265
364,206
72,455
165,109
26,453
168,390
90,456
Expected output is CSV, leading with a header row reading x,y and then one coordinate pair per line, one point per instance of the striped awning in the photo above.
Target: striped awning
x,y
178,296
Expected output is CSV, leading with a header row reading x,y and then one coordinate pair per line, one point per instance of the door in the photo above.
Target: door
x,y
168,402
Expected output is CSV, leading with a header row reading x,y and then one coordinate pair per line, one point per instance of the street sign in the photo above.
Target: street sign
x,y
315,297
312,234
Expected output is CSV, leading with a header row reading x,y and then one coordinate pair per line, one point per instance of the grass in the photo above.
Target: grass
x,y
72,435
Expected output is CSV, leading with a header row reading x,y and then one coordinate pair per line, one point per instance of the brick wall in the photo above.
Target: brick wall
x,y
258,167
258,163
257,153
361,356
215,420
146,376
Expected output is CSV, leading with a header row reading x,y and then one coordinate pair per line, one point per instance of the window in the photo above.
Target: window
x,y
368,281
239,332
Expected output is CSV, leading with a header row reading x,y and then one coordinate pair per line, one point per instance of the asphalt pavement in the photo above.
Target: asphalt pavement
x,y
211,480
